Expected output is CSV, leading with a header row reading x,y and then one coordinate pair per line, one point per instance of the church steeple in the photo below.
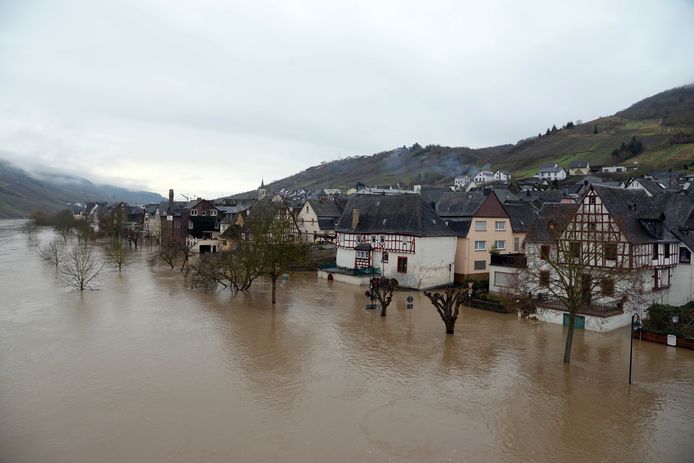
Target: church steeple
x,y
261,190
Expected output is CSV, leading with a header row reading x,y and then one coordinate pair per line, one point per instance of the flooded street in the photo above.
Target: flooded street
x,y
145,370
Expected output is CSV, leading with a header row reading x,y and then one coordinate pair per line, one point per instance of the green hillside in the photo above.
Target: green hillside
x,y
22,193
663,124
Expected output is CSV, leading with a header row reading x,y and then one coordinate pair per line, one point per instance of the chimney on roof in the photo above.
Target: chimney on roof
x,y
355,218
199,199
171,196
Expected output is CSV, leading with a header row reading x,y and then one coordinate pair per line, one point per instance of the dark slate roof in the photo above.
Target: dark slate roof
x,y
679,215
521,214
406,214
628,208
432,194
460,227
652,186
327,224
325,208
504,194
557,215
459,204
580,164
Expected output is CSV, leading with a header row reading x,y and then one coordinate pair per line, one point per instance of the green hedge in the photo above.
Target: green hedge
x,y
660,320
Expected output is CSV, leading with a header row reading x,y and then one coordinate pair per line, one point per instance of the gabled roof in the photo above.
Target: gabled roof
x,y
325,208
551,220
579,164
521,214
402,214
629,209
547,170
679,215
459,204
327,223
460,227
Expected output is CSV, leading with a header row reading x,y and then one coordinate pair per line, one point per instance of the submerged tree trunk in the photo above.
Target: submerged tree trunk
x,y
569,336
274,290
447,303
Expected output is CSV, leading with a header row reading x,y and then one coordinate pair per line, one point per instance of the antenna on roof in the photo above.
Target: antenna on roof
x,y
187,198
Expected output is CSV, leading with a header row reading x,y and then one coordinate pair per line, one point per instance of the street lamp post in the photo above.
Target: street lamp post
x,y
635,325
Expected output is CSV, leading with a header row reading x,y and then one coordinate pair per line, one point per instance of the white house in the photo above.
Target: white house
x,y
613,169
484,176
551,172
317,219
502,176
462,181
399,236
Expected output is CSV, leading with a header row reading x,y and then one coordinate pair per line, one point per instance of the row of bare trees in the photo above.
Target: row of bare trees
x,y
78,266
266,246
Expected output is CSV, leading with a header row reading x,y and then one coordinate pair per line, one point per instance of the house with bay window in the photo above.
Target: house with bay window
x,y
397,236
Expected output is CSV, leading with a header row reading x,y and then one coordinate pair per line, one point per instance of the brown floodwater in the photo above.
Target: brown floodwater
x,y
145,370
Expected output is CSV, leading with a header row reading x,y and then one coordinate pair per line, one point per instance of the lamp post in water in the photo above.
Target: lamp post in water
x,y
635,325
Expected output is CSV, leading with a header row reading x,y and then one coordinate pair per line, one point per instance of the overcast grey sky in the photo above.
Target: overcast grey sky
x,y
209,96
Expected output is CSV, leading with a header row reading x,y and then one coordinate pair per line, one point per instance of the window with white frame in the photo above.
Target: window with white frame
x,y
213,212
516,244
500,244
499,225
193,212
480,245
480,225
480,264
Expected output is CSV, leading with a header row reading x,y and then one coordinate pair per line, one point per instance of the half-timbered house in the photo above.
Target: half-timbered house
x,y
615,235
400,237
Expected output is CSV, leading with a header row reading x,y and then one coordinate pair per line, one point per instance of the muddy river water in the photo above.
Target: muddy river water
x,y
145,370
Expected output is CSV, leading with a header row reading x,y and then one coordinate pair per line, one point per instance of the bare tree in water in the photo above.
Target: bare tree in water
x,y
447,303
382,290
273,238
80,268
117,253
235,269
53,252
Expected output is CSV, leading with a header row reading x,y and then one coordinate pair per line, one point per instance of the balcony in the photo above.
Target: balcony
x,y
509,260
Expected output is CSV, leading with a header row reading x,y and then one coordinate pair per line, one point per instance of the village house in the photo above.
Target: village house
x,y
481,226
195,223
551,172
619,229
461,182
317,219
579,167
151,225
484,176
613,169
502,176
398,237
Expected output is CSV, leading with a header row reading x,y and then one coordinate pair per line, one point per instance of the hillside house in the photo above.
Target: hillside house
x,y
484,176
579,167
400,236
613,169
502,176
551,172
461,182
